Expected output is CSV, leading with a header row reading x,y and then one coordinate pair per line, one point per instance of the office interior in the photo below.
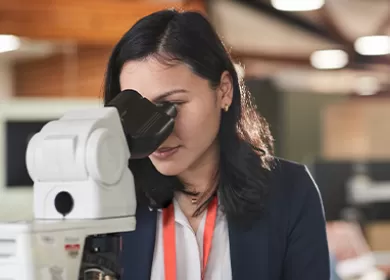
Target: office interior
x,y
319,72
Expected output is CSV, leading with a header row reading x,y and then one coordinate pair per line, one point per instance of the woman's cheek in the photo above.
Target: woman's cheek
x,y
185,122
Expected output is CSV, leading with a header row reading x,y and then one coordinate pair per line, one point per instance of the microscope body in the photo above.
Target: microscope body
x,y
80,163
84,193
51,249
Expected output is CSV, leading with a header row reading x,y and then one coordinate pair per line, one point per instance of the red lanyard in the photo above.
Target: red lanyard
x,y
169,236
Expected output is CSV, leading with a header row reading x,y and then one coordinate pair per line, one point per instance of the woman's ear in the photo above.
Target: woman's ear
x,y
225,90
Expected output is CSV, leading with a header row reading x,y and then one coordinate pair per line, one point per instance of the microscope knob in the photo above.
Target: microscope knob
x,y
64,203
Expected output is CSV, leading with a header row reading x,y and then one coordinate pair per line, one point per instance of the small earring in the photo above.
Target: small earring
x,y
226,108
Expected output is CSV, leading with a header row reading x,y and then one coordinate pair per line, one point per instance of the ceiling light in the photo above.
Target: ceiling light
x,y
329,59
367,85
373,45
297,5
9,43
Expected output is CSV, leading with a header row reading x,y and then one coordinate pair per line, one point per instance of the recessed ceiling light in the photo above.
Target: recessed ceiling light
x,y
367,85
329,59
373,45
297,5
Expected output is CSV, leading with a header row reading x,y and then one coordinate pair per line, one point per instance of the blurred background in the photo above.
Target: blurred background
x,y
319,71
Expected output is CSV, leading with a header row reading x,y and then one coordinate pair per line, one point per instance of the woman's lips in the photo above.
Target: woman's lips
x,y
165,152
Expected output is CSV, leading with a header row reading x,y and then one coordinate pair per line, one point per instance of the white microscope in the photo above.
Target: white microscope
x,y
84,193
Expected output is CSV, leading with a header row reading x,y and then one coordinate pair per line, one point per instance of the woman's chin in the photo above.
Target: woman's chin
x,y
169,169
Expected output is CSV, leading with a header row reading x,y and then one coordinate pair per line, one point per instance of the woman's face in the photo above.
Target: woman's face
x,y
193,140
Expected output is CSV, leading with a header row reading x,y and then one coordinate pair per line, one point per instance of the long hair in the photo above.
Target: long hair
x,y
245,141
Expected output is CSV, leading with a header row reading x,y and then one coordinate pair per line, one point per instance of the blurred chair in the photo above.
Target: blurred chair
x,y
351,257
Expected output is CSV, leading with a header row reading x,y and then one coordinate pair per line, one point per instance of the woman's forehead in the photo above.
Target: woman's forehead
x,y
151,78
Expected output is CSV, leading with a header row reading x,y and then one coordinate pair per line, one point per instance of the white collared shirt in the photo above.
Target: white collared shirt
x,y
189,249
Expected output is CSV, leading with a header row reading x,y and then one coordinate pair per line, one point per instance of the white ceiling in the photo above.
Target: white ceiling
x,y
249,30
358,18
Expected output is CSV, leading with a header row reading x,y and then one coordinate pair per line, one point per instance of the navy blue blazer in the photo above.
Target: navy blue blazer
x,y
288,243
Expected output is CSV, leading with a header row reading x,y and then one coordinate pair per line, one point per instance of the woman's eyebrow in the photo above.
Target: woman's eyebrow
x,y
168,93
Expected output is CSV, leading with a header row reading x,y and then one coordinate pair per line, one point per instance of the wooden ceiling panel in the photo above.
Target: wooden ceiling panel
x,y
100,22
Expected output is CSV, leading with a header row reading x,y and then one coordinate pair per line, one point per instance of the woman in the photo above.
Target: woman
x,y
213,203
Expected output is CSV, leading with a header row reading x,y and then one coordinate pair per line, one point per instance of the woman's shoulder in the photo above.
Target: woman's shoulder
x,y
292,178
293,187
297,222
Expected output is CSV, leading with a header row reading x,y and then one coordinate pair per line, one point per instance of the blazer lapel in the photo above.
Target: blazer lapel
x,y
138,247
249,251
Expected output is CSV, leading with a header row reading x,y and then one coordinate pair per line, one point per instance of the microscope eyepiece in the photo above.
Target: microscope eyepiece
x,y
145,124
168,108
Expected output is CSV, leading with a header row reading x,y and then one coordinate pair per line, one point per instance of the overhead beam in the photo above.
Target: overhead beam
x,y
381,63
100,22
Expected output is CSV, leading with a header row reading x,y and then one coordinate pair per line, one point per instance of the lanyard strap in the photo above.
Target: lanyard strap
x,y
169,236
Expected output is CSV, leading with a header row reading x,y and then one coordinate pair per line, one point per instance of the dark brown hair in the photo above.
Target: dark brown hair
x,y
246,144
